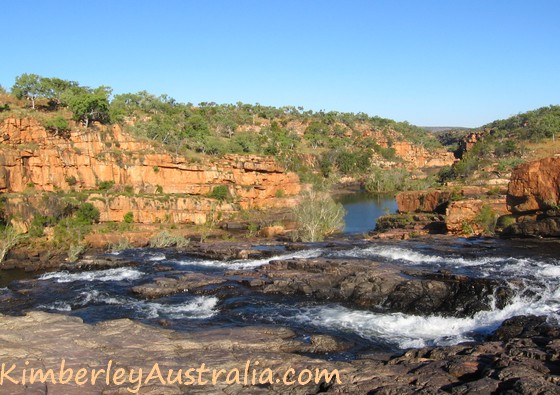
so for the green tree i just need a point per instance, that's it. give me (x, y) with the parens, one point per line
(58, 125)
(88, 106)
(28, 86)
(55, 88)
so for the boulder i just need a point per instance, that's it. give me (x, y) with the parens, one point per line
(535, 186)
(461, 215)
(423, 201)
(548, 227)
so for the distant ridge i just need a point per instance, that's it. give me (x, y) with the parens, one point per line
(443, 129)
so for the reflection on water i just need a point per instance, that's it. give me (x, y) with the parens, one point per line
(363, 209)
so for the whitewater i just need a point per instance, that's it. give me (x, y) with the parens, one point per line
(100, 295)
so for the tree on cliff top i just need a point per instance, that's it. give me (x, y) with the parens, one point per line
(29, 86)
(89, 105)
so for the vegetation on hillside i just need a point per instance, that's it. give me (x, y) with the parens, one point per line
(503, 144)
(314, 144)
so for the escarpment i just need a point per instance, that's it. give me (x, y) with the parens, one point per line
(152, 184)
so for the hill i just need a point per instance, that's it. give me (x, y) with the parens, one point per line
(72, 156)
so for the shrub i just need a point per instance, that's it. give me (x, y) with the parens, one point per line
(129, 217)
(75, 252)
(446, 173)
(387, 180)
(58, 125)
(486, 219)
(87, 214)
(122, 244)
(70, 231)
(164, 239)
(317, 215)
(10, 238)
(71, 180)
(220, 192)
(39, 223)
(504, 221)
(105, 185)
(507, 164)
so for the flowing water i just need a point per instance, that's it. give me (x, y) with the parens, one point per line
(106, 294)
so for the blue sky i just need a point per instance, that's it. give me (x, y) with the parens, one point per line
(439, 63)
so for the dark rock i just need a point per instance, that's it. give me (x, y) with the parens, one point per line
(548, 227)
(524, 326)
(164, 286)
(97, 262)
(371, 285)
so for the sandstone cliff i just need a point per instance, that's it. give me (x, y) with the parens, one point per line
(535, 186)
(33, 159)
(534, 198)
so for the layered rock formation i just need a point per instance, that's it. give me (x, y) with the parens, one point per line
(535, 186)
(534, 199)
(419, 157)
(34, 159)
(460, 215)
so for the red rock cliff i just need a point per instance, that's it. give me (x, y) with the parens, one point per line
(535, 186)
(31, 157)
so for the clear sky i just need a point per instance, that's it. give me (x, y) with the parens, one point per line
(429, 62)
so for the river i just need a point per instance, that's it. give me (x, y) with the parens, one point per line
(363, 209)
(106, 294)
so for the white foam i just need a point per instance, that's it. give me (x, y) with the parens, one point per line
(157, 257)
(252, 263)
(117, 274)
(406, 255)
(199, 307)
(550, 271)
(411, 331)
(58, 306)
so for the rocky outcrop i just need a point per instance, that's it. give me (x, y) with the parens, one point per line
(513, 364)
(419, 157)
(535, 186)
(34, 159)
(546, 227)
(362, 283)
(467, 143)
(534, 199)
(423, 201)
(461, 216)
(405, 226)
(371, 285)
